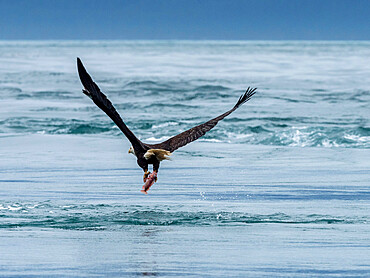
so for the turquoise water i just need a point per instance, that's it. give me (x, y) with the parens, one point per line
(279, 188)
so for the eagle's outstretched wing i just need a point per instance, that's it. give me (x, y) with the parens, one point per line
(198, 131)
(92, 91)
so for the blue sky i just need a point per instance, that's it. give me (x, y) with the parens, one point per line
(185, 19)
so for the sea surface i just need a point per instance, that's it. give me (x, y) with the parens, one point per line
(280, 188)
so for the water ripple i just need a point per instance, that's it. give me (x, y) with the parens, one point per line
(102, 216)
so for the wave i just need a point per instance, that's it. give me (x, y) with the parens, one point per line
(274, 131)
(50, 95)
(211, 88)
(145, 83)
(160, 139)
(102, 216)
(164, 125)
(10, 90)
(56, 126)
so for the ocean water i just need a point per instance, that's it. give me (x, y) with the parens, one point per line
(280, 188)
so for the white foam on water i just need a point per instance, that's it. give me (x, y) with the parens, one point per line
(357, 138)
(165, 125)
(163, 138)
(210, 140)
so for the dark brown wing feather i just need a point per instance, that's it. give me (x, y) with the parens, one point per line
(194, 133)
(92, 91)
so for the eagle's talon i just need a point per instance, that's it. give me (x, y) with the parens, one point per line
(146, 174)
(155, 176)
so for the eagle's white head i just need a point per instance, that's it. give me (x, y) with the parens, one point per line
(131, 150)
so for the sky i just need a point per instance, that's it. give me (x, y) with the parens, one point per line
(185, 20)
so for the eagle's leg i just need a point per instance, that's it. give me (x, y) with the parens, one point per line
(155, 170)
(146, 174)
(156, 176)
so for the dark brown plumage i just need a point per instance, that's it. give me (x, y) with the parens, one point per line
(198, 131)
(151, 153)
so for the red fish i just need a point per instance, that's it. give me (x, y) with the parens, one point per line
(152, 178)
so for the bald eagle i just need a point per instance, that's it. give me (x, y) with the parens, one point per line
(151, 153)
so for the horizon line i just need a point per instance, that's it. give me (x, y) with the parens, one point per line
(194, 40)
